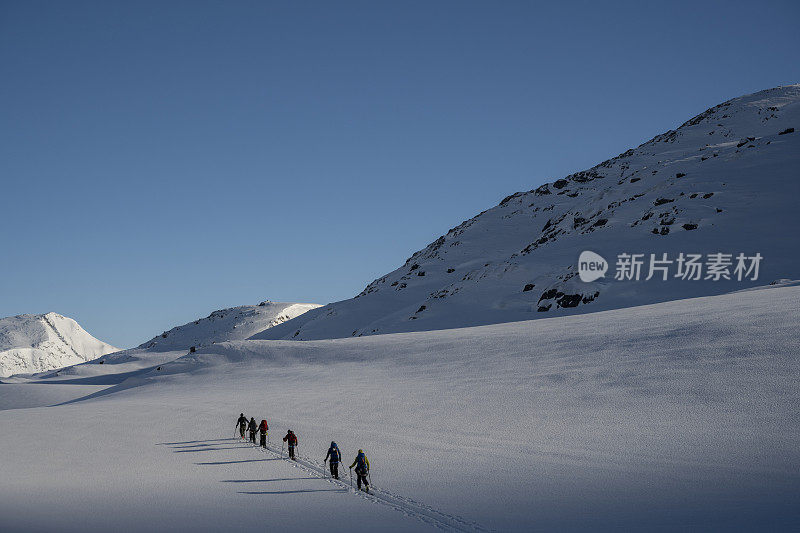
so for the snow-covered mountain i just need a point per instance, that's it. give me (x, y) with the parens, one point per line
(726, 181)
(234, 323)
(36, 343)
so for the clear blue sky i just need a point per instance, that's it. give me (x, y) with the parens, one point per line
(160, 160)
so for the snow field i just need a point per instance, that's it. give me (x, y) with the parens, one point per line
(681, 415)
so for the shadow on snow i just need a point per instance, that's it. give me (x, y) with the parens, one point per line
(242, 461)
(291, 491)
(208, 449)
(194, 441)
(265, 480)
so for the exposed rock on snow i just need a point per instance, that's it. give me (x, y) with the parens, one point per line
(724, 181)
(37, 343)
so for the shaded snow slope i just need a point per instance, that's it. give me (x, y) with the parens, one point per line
(235, 323)
(725, 181)
(673, 416)
(37, 343)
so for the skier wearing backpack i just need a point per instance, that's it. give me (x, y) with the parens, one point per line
(291, 441)
(252, 427)
(336, 457)
(362, 470)
(242, 424)
(263, 428)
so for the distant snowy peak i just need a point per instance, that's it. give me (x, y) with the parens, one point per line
(37, 343)
(724, 181)
(235, 323)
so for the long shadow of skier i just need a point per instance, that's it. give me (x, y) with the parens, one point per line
(186, 446)
(265, 480)
(291, 491)
(194, 441)
(243, 461)
(208, 449)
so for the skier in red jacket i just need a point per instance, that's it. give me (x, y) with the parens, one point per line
(291, 441)
(263, 428)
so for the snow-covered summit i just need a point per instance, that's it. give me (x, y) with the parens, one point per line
(234, 323)
(725, 181)
(36, 343)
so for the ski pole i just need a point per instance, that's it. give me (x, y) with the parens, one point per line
(351, 478)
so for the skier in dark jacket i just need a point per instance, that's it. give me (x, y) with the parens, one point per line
(362, 470)
(253, 428)
(241, 424)
(263, 428)
(336, 457)
(291, 441)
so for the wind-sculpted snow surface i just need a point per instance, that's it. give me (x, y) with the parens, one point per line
(37, 343)
(725, 181)
(673, 416)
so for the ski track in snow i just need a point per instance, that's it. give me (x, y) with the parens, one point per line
(402, 504)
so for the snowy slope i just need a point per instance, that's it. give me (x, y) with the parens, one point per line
(725, 181)
(674, 416)
(36, 343)
(235, 323)
(231, 324)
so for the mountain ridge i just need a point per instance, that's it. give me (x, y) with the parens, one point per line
(233, 323)
(693, 188)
